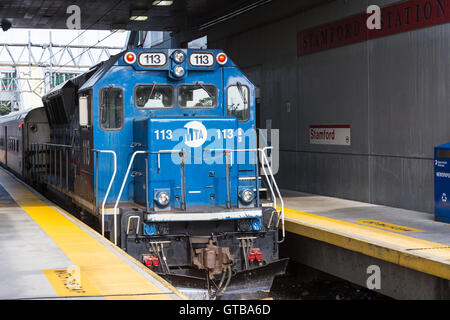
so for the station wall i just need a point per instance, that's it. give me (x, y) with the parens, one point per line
(393, 91)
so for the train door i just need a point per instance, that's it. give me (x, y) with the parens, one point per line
(84, 174)
(239, 100)
(254, 74)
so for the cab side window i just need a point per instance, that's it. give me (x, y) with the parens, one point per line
(111, 108)
(238, 102)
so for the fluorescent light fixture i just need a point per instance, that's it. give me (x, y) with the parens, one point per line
(138, 18)
(162, 3)
(138, 15)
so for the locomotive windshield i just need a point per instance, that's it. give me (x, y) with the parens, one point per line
(197, 96)
(154, 96)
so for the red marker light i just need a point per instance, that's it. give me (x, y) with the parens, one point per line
(155, 261)
(21, 125)
(255, 254)
(258, 255)
(222, 58)
(130, 58)
(147, 261)
(251, 257)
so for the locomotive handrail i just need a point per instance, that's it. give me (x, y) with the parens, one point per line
(162, 152)
(53, 145)
(110, 185)
(49, 147)
(263, 151)
(265, 160)
(121, 190)
(126, 178)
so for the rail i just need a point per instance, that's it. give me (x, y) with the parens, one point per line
(109, 186)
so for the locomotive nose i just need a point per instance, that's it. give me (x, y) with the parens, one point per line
(185, 163)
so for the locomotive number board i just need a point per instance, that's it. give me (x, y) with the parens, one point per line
(201, 60)
(153, 59)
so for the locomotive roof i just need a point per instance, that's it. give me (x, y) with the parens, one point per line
(16, 115)
(74, 82)
(100, 71)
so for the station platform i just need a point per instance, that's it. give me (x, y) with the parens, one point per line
(411, 247)
(48, 254)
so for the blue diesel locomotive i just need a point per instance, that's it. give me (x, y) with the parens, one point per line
(159, 148)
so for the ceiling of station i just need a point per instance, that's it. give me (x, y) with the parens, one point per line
(115, 14)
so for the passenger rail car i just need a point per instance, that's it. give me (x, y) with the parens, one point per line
(17, 131)
(159, 146)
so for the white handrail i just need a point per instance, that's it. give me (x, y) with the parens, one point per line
(121, 190)
(265, 160)
(263, 151)
(109, 187)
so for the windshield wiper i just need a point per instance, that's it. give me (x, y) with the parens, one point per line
(241, 92)
(153, 88)
(203, 87)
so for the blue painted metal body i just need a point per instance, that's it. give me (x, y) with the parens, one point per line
(205, 182)
(442, 182)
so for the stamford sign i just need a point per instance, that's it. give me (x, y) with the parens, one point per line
(397, 18)
(330, 135)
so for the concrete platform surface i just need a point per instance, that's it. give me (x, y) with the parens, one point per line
(48, 254)
(407, 238)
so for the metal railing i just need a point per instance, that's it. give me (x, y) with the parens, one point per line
(269, 167)
(47, 162)
(125, 178)
(121, 190)
(229, 161)
(109, 187)
(267, 170)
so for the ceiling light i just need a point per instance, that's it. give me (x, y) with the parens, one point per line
(138, 15)
(162, 3)
(138, 18)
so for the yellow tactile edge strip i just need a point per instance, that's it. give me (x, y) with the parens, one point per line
(96, 262)
(387, 226)
(399, 249)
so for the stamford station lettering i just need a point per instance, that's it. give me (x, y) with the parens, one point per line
(406, 16)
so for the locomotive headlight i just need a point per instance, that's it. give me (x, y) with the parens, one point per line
(178, 71)
(162, 199)
(178, 56)
(246, 196)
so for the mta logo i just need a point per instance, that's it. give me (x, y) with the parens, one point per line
(196, 134)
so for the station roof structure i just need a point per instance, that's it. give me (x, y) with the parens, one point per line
(163, 15)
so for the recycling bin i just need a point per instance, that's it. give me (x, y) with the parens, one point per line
(442, 183)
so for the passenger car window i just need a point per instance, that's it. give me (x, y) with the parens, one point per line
(154, 96)
(238, 102)
(197, 96)
(111, 108)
